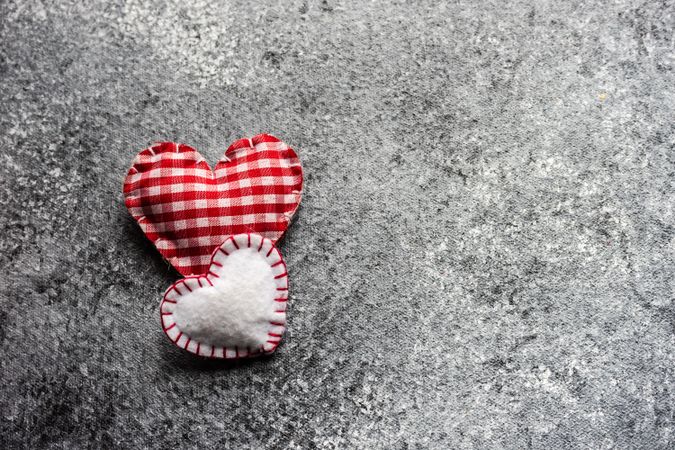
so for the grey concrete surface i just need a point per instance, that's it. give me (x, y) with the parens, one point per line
(484, 257)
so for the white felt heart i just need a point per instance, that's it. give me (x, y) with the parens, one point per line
(237, 309)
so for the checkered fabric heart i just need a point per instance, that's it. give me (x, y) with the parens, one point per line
(187, 210)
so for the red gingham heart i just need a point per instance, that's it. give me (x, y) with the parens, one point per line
(187, 210)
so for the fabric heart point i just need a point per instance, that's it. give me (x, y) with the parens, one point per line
(237, 308)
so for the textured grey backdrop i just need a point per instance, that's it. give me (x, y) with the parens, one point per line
(484, 257)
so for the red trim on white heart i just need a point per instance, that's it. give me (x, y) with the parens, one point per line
(276, 328)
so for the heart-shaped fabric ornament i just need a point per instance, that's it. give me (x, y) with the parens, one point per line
(237, 308)
(187, 210)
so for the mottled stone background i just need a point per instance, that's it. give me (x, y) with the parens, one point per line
(484, 257)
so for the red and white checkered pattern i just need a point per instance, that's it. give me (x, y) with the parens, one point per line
(187, 210)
